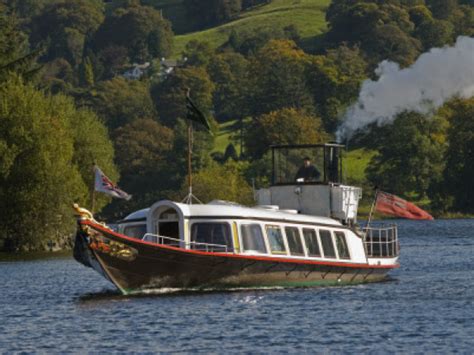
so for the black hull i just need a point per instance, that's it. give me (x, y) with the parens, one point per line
(135, 265)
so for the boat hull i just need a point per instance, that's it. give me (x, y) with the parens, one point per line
(133, 265)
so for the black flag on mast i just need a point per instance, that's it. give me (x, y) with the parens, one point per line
(194, 114)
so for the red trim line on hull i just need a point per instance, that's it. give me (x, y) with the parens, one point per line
(236, 256)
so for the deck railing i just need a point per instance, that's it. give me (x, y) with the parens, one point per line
(381, 241)
(175, 242)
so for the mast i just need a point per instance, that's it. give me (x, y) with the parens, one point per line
(189, 198)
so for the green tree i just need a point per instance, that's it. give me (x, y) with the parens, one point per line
(198, 53)
(390, 42)
(285, 126)
(278, 78)
(463, 20)
(410, 154)
(381, 30)
(66, 26)
(40, 170)
(140, 29)
(229, 73)
(15, 56)
(442, 9)
(456, 189)
(335, 80)
(435, 33)
(222, 182)
(143, 148)
(249, 42)
(114, 59)
(120, 101)
(211, 12)
(87, 72)
(170, 94)
(13, 42)
(91, 146)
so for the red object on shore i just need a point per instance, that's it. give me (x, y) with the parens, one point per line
(396, 206)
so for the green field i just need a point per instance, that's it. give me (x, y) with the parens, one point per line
(307, 15)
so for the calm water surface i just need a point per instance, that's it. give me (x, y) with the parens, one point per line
(61, 306)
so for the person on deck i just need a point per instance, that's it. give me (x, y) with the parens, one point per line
(307, 172)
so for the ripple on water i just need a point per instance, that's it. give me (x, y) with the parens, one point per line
(60, 306)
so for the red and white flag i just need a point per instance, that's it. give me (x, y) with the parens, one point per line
(105, 185)
(396, 206)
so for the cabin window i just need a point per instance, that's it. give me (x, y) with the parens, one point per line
(328, 246)
(211, 233)
(341, 245)
(311, 241)
(275, 240)
(252, 238)
(294, 241)
(137, 231)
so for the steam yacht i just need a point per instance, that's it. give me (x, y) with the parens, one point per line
(301, 232)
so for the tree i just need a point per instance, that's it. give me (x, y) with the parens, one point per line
(197, 53)
(249, 42)
(113, 58)
(212, 12)
(42, 156)
(15, 56)
(442, 9)
(170, 95)
(229, 72)
(381, 30)
(456, 189)
(120, 101)
(410, 154)
(390, 42)
(285, 126)
(335, 80)
(435, 33)
(66, 26)
(463, 20)
(92, 146)
(143, 148)
(222, 182)
(278, 78)
(140, 29)
(13, 42)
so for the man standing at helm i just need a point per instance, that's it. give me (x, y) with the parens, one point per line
(307, 172)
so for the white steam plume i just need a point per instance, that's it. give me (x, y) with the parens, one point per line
(436, 76)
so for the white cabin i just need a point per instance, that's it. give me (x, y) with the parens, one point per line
(262, 231)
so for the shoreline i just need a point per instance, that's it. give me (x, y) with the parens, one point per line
(34, 255)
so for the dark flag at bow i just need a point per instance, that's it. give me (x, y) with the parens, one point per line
(194, 114)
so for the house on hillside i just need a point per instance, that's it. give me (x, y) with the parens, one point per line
(136, 71)
(167, 66)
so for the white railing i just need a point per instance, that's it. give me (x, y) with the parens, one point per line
(381, 241)
(176, 242)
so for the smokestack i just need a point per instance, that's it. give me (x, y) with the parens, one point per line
(436, 76)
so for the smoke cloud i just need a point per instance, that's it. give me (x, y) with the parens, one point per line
(436, 76)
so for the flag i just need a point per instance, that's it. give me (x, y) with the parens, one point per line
(396, 206)
(194, 114)
(105, 185)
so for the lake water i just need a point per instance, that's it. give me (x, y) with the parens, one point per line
(58, 305)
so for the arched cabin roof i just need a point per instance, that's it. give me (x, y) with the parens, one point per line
(137, 215)
(226, 210)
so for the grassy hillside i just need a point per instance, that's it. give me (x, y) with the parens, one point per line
(307, 15)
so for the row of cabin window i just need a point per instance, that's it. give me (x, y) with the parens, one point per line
(253, 239)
